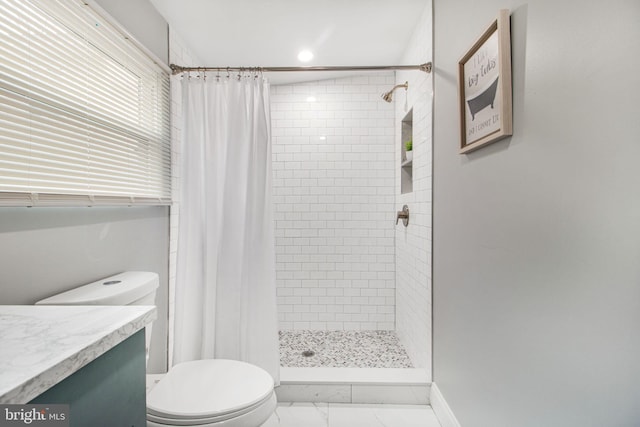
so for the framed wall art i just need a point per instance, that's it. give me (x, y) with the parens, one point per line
(484, 87)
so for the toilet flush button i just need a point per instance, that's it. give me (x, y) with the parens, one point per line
(112, 282)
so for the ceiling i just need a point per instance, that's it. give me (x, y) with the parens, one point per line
(272, 32)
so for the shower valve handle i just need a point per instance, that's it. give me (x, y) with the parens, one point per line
(404, 215)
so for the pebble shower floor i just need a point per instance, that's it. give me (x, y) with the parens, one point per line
(342, 349)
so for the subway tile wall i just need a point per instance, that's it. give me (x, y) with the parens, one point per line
(179, 54)
(334, 183)
(413, 243)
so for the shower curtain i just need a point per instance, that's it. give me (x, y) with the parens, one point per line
(225, 302)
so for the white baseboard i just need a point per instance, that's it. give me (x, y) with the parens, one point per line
(441, 408)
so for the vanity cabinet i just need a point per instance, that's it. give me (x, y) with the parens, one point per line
(110, 391)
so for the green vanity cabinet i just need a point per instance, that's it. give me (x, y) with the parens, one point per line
(109, 391)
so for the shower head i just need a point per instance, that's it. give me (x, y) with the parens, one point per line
(388, 96)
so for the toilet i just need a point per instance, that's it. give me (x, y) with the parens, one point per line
(206, 393)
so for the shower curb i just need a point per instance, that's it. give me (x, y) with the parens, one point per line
(354, 385)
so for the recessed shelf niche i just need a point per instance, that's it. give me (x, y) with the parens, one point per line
(406, 165)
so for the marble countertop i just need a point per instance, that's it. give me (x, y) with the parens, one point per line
(42, 345)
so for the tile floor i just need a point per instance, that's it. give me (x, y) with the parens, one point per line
(342, 349)
(351, 415)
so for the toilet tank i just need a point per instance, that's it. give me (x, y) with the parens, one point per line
(128, 288)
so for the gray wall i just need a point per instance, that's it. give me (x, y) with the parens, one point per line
(537, 237)
(44, 251)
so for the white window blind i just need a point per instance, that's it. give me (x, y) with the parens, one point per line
(84, 113)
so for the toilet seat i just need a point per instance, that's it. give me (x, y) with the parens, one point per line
(208, 391)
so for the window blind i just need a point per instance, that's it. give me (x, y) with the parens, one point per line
(84, 113)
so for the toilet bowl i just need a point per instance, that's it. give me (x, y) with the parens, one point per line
(214, 392)
(205, 393)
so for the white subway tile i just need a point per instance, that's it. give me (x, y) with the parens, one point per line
(332, 192)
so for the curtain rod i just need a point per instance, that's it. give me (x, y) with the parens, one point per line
(426, 67)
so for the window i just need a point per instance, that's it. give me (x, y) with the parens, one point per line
(84, 113)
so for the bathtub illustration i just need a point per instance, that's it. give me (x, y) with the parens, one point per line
(483, 100)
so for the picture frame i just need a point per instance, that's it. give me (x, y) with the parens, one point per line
(484, 87)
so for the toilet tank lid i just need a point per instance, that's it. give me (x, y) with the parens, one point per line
(121, 289)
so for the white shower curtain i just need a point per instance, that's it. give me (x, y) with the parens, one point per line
(225, 302)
